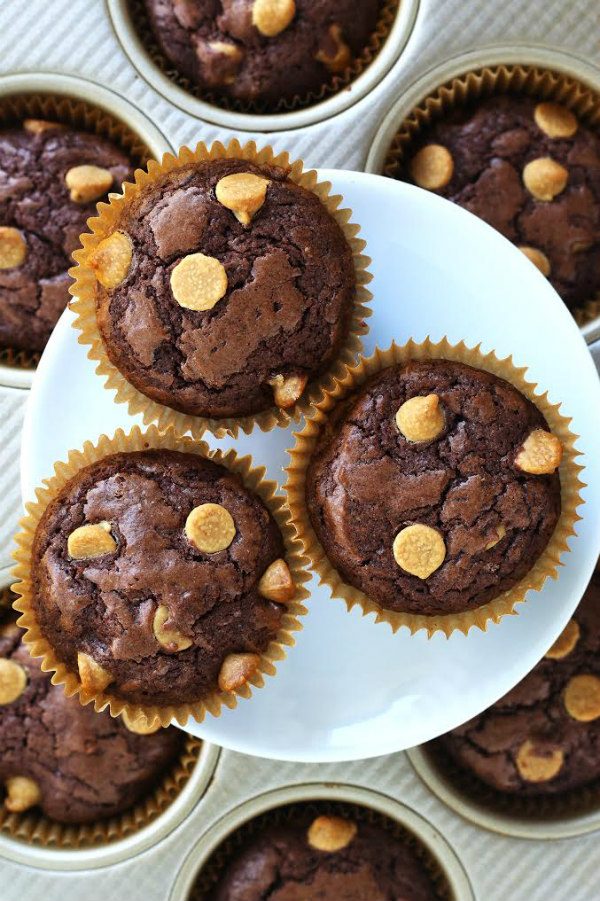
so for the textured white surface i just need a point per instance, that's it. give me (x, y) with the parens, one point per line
(75, 37)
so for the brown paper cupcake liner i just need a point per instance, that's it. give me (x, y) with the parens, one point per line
(76, 114)
(35, 828)
(340, 82)
(481, 83)
(545, 567)
(137, 440)
(84, 292)
(216, 865)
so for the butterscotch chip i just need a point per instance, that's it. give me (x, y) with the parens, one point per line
(37, 126)
(87, 183)
(539, 259)
(13, 248)
(341, 57)
(243, 193)
(331, 833)
(111, 259)
(232, 54)
(92, 675)
(168, 637)
(21, 794)
(92, 540)
(540, 453)
(139, 724)
(210, 527)
(582, 698)
(271, 17)
(419, 550)
(236, 670)
(276, 583)
(555, 120)
(288, 389)
(13, 680)
(198, 282)
(538, 765)
(500, 534)
(421, 418)
(565, 642)
(544, 178)
(432, 167)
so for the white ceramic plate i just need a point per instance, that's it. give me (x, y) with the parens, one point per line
(351, 689)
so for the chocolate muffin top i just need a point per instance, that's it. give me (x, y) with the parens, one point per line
(433, 488)
(226, 286)
(155, 576)
(77, 766)
(329, 857)
(50, 180)
(262, 50)
(532, 171)
(543, 737)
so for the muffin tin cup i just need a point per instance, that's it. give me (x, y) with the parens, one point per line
(35, 841)
(80, 104)
(541, 819)
(547, 564)
(548, 78)
(136, 440)
(207, 858)
(393, 29)
(84, 292)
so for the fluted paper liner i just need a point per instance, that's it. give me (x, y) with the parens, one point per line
(75, 114)
(84, 292)
(35, 828)
(533, 81)
(337, 83)
(137, 440)
(545, 567)
(216, 866)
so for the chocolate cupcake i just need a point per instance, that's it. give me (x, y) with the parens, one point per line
(51, 178)
(71, 764)
(262, 51)
(531, 169)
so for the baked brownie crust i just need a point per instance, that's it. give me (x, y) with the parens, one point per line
(367, 482)
(290, 288)
(35, 200)
(106, 605)
(215, 44)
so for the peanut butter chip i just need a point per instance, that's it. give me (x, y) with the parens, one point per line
(341, 58)
(92, 675)
(555, 120)
(168, 637)
(419, 550)
(139, 724)
(288, 389)
(21, 794)
(432, 167)
(500, 534)
(330, 833)
(421, 418)
(13, 248)
(210, 527)
(198, 282)
(276, 583)
(271, 17)
(13, 680)
(537, 765)
(540, 453)
(565, 642)
(544, 178)
(91, 541)
(111, 259)
(87, 183)
(236, 670)
(243, 193)
(37, 126)
(539, 259)
(582, 698)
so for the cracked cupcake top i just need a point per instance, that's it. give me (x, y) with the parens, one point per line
(262, 50)
(224, 289)
(159, 577)
(543, 737)
(51, 178)
(434, 488)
